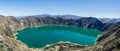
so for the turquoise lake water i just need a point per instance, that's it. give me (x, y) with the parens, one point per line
(38, 37)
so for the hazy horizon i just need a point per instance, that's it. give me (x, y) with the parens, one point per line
(84, 8)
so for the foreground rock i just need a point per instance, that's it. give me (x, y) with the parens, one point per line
(109, 41)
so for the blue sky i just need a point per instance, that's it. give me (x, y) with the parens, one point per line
(95, 8)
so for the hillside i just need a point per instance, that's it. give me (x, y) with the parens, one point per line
(109, 41)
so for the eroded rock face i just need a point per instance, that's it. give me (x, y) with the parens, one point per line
(109, 41)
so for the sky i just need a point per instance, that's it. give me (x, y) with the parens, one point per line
(86, 8)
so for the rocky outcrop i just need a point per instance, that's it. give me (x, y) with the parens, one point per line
(65, 46)
(9, 25)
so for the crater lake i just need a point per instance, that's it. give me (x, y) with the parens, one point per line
(38, 37)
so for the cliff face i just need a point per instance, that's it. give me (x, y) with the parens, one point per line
(89, 22)
(9, 26)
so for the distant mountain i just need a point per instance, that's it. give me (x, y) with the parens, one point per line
(67, 16)
(109, 20)
(104, 20)
(54, 16)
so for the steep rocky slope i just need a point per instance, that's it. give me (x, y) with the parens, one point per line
(110, 40)
(9, 25)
